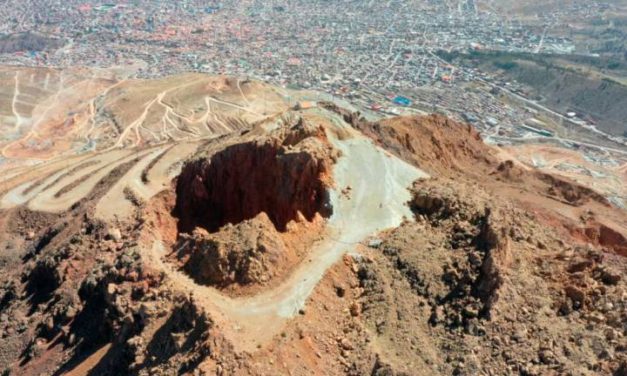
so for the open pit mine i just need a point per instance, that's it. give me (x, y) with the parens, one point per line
(198, 225)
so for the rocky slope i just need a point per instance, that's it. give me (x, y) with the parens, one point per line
(494, 269)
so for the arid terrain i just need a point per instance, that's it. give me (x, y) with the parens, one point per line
(220, 226)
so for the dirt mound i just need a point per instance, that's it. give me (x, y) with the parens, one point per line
(445, 147)
(281, 176)
(248, 252)
(180, 343)
(434, 143)
(509, 171)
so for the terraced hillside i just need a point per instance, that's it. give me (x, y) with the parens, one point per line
(46, 112)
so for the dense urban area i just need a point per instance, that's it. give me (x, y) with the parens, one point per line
(346, 48)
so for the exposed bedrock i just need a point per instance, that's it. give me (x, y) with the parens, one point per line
(246, 179)
(233, 207)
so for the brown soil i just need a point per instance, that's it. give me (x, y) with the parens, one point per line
(491, 310)
(436, 143)
(570, 192)
(601, 235)
(238, 257)
(450, 149)
(501, 271)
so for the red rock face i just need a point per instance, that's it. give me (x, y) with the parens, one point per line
(246, 179)
(607, 237)
(569, 191)
(613, 239)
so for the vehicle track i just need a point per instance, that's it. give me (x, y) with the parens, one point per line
(73, 189)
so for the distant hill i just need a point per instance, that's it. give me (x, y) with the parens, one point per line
(589, 86)
(28, 42)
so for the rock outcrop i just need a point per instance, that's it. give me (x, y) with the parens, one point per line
(281, 175)
(248, 252)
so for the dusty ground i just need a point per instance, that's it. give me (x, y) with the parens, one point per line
(311, 242)
(607, 178)
(46, 113)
